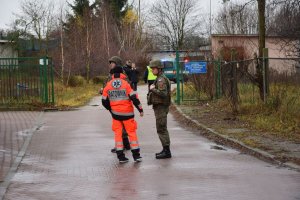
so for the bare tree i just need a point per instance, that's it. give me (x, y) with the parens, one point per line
(37, 19)
(286, 24)
(261, 8)
(89, 38)
(172, 19)
(60, 26)
(234, 19)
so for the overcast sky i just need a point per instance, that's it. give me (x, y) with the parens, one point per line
(8, 7)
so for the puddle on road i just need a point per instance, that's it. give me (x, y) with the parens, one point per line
(23, 133)
(94, 105)
(215, 147)
(176, 129)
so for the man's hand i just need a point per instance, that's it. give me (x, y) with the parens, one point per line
(141, 114)
(152, 86)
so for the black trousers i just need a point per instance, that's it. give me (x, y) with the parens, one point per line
(125, 139)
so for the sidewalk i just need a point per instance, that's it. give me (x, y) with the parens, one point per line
(14, 129)
(69, 158)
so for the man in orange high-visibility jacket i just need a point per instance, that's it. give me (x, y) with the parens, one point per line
(118, 97)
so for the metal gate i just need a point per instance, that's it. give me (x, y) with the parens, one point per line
(26, 81)
(199, 80)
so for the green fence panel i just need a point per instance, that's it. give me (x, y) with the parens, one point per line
(26, 81)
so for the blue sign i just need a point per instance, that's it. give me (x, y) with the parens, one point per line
(195, 67)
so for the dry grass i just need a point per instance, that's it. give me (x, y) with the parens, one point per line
(74, 96)
(280, 114)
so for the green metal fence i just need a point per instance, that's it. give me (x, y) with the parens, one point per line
(26, 81)
(199, 86)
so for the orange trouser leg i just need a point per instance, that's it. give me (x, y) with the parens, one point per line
(117, 127)
(131, 126)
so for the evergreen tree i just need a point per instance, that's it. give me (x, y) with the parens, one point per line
(118, 8)
(80, 6)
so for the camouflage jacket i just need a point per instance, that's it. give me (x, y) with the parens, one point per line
(161, 94)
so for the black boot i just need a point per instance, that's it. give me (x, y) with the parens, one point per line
(121, 156)
(136, 155)
(159, 152)
(166, 153)
(113, 150)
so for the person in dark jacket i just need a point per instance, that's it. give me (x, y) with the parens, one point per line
(128, 69)
(134, 77)
(132, 74)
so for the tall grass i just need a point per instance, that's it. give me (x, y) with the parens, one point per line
(280, 113)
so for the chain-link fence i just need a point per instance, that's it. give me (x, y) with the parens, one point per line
(269, 82)
(272, 81)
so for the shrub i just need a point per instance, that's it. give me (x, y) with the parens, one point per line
(98, 79)
(76, 81)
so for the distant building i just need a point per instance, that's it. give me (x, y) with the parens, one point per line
(7, 50)
(248, 46)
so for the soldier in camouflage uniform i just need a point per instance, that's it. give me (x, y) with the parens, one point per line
(160, 97)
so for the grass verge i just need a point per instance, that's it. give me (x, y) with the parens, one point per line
(66, 97)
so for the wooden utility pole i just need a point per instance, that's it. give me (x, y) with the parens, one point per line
(260, 71)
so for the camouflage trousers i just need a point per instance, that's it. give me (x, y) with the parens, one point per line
(161, 113)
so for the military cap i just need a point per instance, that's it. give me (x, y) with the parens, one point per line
(116, 59)
(156, 63)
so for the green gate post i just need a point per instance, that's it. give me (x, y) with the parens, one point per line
(52, 83)
(177, 79)
(45, 65)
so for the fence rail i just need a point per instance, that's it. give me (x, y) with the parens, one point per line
(240, 82)
(26, 81)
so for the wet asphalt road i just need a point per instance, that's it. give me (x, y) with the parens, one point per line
(70, 158)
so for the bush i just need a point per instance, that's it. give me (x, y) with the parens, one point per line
(76, 81)
(98, 79)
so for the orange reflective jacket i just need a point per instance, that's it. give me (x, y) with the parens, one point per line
(118, 97)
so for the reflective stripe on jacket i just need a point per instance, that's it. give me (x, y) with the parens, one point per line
(118, 97)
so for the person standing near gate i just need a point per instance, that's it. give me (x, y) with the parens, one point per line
(119, 98)
(160, 98)
(134, 77)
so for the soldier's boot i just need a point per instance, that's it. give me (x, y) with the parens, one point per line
(162, 151)
(126, 143)
(136, 155)
(159, 152)
(121, 156)
(166, 153)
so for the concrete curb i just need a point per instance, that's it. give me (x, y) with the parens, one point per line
(13, 169)
(225, 140)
